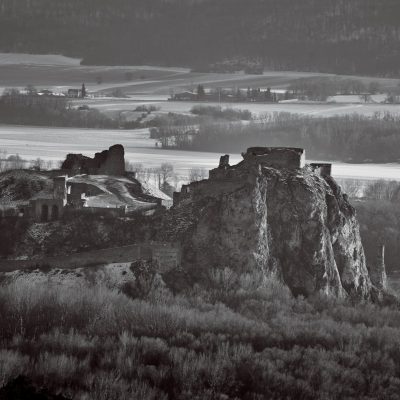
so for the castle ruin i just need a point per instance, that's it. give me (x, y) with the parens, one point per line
(108, 162)
(290, 158)
(276, 215)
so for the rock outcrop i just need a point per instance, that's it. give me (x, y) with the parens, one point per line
(377, 269)
(276, 219)
(108, 162)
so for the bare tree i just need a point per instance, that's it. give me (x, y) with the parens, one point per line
(31, 90)
(49, 165)
(352, 187)
(38, 164)
(15, 162)
(166, 173)
(382, 190)
(3, 160)
(197, 174)
(137, 168)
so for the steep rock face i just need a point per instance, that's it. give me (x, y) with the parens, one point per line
(287, 222)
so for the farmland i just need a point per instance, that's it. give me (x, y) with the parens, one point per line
(113, 106)
(153, 85)
(55, 143)
(54, 71)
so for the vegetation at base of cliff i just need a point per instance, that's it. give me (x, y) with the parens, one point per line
(351, 138)
(214, 344)
(358, 36)
(380, 223)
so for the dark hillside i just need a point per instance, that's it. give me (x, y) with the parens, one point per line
(342, 36)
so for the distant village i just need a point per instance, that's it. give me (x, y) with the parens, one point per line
(232, 95)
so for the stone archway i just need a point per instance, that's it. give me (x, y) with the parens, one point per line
(44, 216)
(54, 212)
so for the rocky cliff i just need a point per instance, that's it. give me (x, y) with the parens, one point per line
(286, 221)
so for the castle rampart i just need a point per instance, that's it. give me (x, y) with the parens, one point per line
(227, 175)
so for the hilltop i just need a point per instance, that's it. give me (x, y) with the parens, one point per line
(358, 36)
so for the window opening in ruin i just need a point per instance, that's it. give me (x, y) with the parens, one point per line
(45, 213)
(54, 212)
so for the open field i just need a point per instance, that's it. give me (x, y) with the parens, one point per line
(58, 72)
(152, 85)
(55, 143)
(146, 84)
(37, 59)
(114, 106)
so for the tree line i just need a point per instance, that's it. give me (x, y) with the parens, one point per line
(339, 36)
(33, 109)
(378, 212)
(350, 138)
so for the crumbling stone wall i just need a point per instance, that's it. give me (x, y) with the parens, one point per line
(167, 256)
(108, 162)
(276, 157)
(45, 210)
(322, 169)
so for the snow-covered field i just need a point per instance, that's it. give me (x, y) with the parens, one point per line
(37, 59)
(55, 143)
(147, 84)
(152, 85)
(258, 109)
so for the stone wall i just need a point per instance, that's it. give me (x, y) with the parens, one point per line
(322, 169)
(167, 256)
(44, 210)
(108, 162)
(276, 157)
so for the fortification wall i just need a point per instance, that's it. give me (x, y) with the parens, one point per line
(224, 182)
(276, 157)
(166, 255)
(322, 169)
(108, 162)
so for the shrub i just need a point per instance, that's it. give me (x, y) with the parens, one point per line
(262, 343)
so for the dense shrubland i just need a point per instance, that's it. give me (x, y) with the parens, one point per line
(214, 344)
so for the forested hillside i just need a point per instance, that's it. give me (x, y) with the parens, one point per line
(343, 36)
